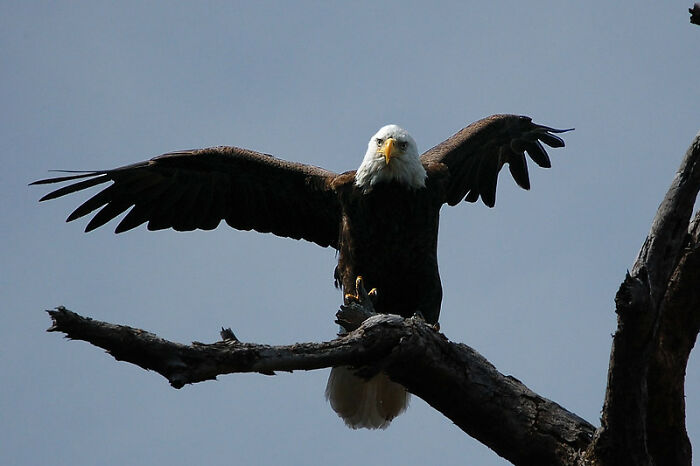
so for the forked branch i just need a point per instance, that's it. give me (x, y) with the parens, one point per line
(658, 311)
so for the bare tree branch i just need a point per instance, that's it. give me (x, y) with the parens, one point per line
(186, 364)
(660, 253)
(695, 14)
(647, 318)
(498, 410)
(679, 323)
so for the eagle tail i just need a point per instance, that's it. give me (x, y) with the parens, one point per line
(369, 404)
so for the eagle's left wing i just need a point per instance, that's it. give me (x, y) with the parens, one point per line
(475, 155)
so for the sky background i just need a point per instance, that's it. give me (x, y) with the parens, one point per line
(529, 284)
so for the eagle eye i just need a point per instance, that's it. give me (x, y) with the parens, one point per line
(380, 141)
(402, 145)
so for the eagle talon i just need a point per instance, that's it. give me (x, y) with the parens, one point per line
(357, 307)
(361, 296)
(373, 294)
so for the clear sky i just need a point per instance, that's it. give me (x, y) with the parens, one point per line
(530, 284)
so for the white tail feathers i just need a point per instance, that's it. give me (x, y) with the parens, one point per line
(371, 404)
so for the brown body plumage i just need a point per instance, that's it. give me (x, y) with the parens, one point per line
(398, 258)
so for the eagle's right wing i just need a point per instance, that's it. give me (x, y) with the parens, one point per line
(197, 189)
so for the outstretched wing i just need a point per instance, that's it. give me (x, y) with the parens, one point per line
(197, 189)
(475, 155)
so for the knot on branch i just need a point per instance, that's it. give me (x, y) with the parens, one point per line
(633, 295)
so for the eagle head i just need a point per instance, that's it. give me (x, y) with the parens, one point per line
(392, 155)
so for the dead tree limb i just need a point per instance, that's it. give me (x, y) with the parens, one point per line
(498, 410)
(643, 421)
(695, 14)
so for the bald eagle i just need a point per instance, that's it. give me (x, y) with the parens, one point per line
(382, 219)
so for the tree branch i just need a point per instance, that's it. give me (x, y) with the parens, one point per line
(497, 410)
(187, 364)
(661, 250)
(656, 306)
(679, 323)
(695, 14)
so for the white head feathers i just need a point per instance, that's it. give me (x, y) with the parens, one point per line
(391, 154)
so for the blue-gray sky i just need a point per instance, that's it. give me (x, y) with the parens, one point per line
(529, 284)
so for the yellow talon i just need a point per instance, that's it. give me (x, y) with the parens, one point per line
(360, 294)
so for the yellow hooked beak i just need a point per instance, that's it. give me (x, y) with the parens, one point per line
(388, 149)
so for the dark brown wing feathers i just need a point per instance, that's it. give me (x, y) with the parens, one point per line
(475, 155)
(197, 189)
